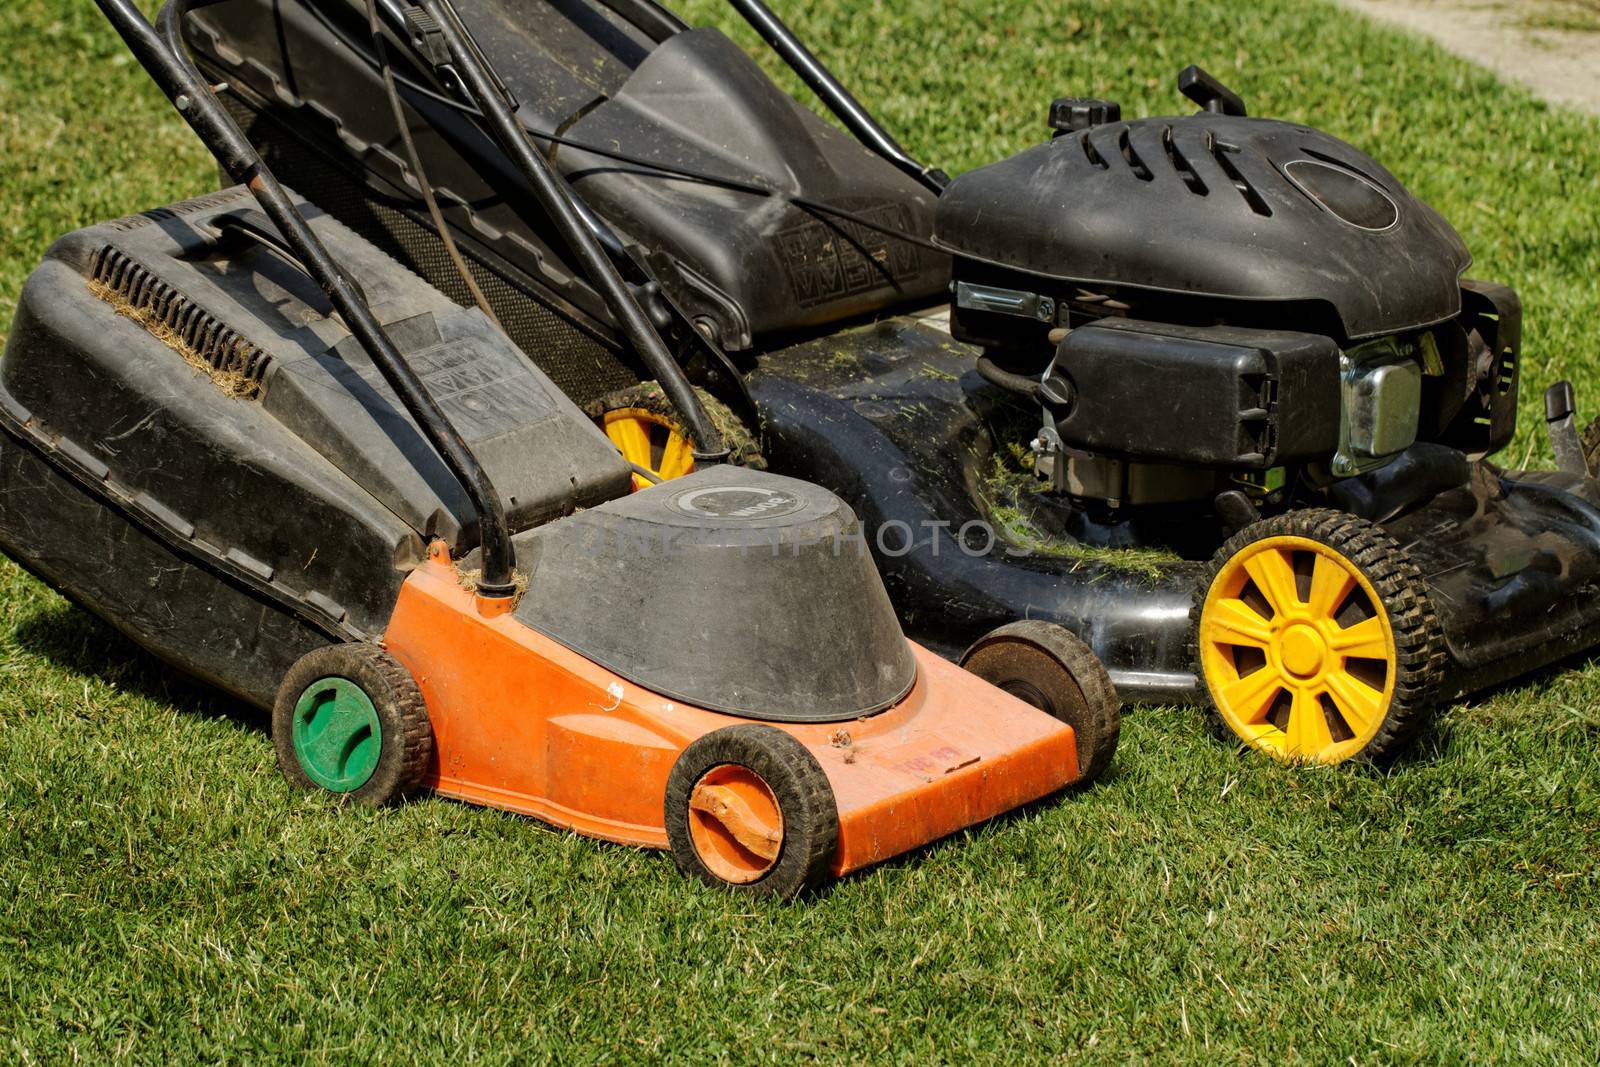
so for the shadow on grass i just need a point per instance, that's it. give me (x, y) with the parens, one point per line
(73, 640)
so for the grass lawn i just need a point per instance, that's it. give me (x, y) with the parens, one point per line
(163, 895)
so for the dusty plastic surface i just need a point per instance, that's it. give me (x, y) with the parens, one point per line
(188, 383)
(1214, 206)
(748, 265)
(731, 589)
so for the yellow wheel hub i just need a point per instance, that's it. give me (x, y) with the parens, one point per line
(1297, 650)
(651, 441)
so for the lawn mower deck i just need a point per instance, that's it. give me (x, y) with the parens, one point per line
(596, 753)
(915, 438)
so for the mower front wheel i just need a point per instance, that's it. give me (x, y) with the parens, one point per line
(1050, 667)
(350, 722)
(1316, 640)
(750, 810)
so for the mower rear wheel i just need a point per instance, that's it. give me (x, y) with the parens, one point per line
(750, 810)
(649, 432)
(349, 721)
(1316, 640)
(1050, 667)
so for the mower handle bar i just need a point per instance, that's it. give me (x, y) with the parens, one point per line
(845, 107)
(576, 227)
(589, 239)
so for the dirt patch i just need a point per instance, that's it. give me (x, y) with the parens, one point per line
(1550, 46)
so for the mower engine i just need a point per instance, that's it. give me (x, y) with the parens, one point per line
(1214, 302)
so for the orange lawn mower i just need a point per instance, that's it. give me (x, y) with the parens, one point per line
(282, 462)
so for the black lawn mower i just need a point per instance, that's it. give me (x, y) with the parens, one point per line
(1210, 390)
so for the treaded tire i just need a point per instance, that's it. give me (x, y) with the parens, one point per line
(1420, 651)
(1050, 667)
(406, 747)
(802, 792)
(743, 448)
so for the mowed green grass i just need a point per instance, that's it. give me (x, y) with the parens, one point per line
(164, 896)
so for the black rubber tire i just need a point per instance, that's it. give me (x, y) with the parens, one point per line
(407, 746)
(1050, 667)
(744, 450)
(1590, 440)
(797, 781)
(1419, 641)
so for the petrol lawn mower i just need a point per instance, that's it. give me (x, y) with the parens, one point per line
(1209, 390)
(272, 455)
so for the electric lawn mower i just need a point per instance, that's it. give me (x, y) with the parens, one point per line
(1209, 390)
(279, 459)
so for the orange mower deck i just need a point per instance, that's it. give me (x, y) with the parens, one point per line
(524, 724)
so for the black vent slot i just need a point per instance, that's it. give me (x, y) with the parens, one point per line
(1135, 164)
(1220, 152)
(1091, 153)
(236, 365)
(1181, 165)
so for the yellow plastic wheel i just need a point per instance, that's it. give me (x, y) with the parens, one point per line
(649, 440)
(649, 433)
(1315, 639)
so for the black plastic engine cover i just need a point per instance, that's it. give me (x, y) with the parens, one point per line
(1214, 206)
(1216, 395)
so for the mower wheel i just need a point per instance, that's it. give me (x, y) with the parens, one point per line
(350, 721)
(1316, 639)
(750, 810)
(1050, 667)
(649, 432)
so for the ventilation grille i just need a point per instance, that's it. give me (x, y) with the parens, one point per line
(1252, 196)
(1115, 142)
(236, 365)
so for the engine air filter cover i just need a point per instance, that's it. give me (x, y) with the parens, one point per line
(1214, 206)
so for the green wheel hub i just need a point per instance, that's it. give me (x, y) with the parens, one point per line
(337, 737)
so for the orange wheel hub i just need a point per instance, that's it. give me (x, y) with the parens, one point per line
(735, 824)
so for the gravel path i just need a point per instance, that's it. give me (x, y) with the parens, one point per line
(1563, 66)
